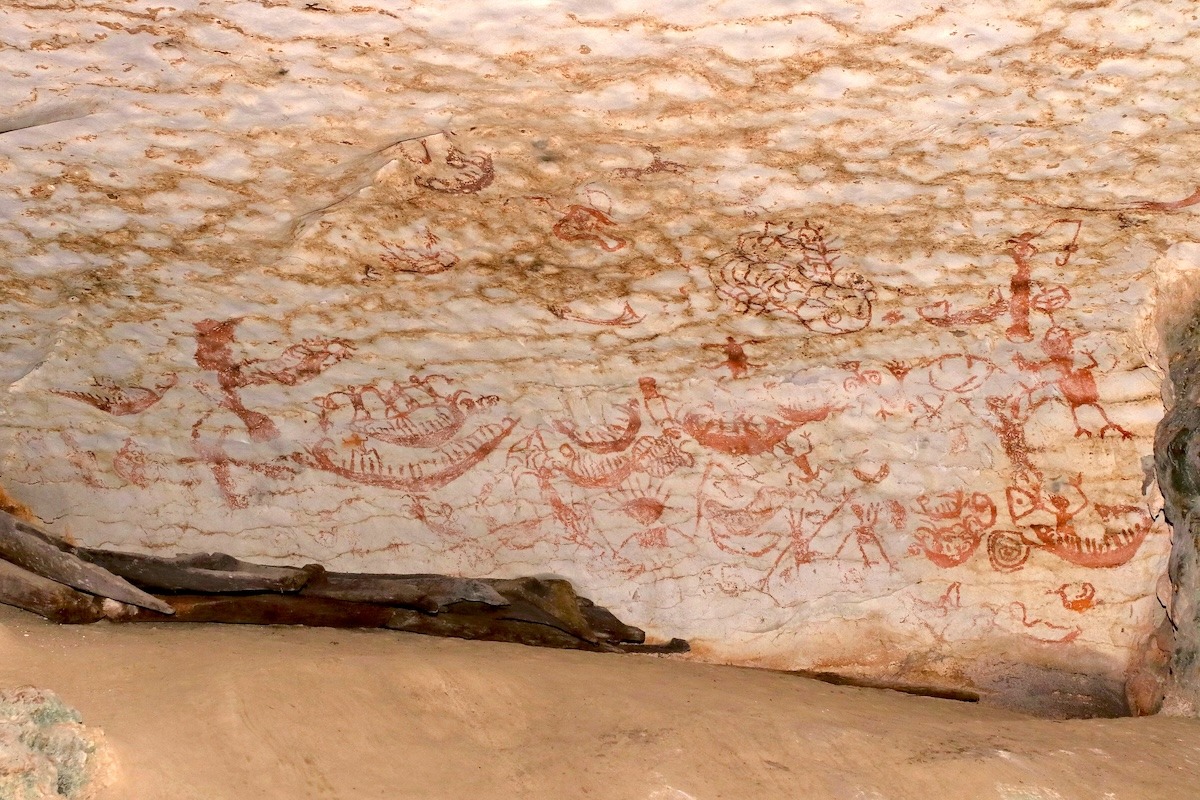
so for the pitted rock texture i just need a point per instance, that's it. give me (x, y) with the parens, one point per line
(806, 333)
(44, 750)
(1177, 455)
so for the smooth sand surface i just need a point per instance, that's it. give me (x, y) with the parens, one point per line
(250, 713)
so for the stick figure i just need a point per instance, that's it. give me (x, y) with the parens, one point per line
(736, 360)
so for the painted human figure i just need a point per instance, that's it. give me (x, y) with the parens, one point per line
(865, 535)
(295, 365)
(736, 360)
(1022, 250)
(1066, 508)
(1076, 384)
(656, 403)
(1021, 299)
(1007, 416)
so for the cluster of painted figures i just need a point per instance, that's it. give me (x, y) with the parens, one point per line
(745, 475)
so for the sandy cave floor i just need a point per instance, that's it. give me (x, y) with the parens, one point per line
(251, 713)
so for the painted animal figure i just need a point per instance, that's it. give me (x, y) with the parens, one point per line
(1076, 384)
(1124, 527)
(109, 396)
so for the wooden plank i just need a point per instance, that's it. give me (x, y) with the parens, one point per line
(35, 550)
(427, 593)
(214, 587)
(607, 626)
(57, 603)
(555, 597)
(203, 573)
(493, 625)
(265, 609)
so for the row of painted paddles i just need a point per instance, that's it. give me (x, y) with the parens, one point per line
(65, 583)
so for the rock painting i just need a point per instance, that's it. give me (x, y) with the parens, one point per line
(1077, 597)
(792, 273)
(1024, 294)
(406, 436)
(589, 224)
(603, 471)
(300, 362)
(645, 478)
(718, 339)
(626, 318)
(1111, 539)
(736, 360)
(954, 523)
(113, 398)
(1075, 385)
(657, 164)
(451, 171)
(426, 259)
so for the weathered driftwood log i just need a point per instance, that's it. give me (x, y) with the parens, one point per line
(519, 622)
(217, 573)
(540, 611)
(55, 602)
(427, 593)
(264, 609)
(504, 624)
(36, 551)
(607, 626)
(202, 573)
(38, 569)
(513, 624)
(547, 601)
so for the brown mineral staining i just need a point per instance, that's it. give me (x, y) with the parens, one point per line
(11, 505)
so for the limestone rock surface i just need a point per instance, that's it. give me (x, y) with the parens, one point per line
(809, 332)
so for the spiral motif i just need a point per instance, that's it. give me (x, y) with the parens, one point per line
(1007, 551)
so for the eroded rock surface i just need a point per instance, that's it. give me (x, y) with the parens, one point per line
(805, 333)
(45, 751)
(1172, 671)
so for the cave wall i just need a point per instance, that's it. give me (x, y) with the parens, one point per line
(1167, 675)
(820, 334)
